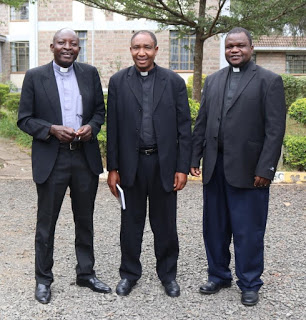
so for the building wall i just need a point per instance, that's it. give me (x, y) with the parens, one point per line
(55, 10)
(108, 45)
(5, 46)
(274, 61)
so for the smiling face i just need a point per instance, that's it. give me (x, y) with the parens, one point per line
(65, 47)
(238, 50)
(143, 51)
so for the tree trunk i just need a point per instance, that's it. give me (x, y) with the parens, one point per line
(197, 71)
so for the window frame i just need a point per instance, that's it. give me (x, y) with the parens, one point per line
(83, 51)
(181, 51)
(15, 49)
(294, 69)
(16, 13)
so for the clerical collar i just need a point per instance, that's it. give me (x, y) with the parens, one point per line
(146, 73)
(236, 69)
(61, 69)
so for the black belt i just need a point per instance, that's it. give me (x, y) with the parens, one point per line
(148, 151)
(74, 145)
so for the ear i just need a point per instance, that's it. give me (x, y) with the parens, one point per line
(156, 50)
(52, 47)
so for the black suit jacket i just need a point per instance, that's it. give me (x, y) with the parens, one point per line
(40, 108)
(171, 121)
(254, 126)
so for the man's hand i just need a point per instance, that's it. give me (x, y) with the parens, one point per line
(261, 182)
(180, 180)
(112, 180)
(62, 133)
(84, 133)
(196, 172)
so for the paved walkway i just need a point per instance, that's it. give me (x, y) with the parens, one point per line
(15, 162)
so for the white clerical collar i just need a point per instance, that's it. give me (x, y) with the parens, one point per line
(144, 74)
(236, 69)
(64, 69)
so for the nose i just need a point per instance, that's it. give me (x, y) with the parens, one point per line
(67, 45)
(234, 49)
(141, 52)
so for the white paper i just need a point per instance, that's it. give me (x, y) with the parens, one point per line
(121, 198)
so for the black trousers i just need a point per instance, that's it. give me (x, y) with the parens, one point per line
(162, 216)
(70, 170)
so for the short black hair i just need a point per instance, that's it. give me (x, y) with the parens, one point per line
(151, 34)
(239, 30)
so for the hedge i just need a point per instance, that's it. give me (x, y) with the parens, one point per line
(297, 111)
(4, 90)
(295, 88)
(189, 84)
(11, 101)
(295, 152)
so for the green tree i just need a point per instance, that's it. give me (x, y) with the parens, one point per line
(13, 3)
(261, 17)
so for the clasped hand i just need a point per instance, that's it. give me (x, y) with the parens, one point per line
(66, 134)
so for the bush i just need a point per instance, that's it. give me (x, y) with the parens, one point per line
(189, 84)
(297, 111)
(194, 109)
(9, 129)
(11, 101)
(102, 140)
(295, 152)
(4, 90)
(295, 88)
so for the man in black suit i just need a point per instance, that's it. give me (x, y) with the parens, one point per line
(62, 107)
(148, 154)
(239, 133)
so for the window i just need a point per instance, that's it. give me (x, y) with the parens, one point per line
(19, 56)
(181, 51)
(295, 63)
(21, 13)
(82, 57)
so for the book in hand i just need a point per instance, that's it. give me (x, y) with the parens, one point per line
(121, 198)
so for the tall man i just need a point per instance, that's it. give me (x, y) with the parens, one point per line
(239, 133)
(62, 107)
(148, 154)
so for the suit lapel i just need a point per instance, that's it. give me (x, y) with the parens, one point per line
(83, 86)
(222, 83)
(134, 84)
(244, 81)
(50, 86)
(159, 86)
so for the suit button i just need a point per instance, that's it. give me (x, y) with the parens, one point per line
(137, 149)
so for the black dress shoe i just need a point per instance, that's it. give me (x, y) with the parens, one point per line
(249, 298)
(211, 287)
(124, 287)
(42, 293)
(172, 289)
(94, 284)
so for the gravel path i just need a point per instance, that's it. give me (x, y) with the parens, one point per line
(282, 296)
